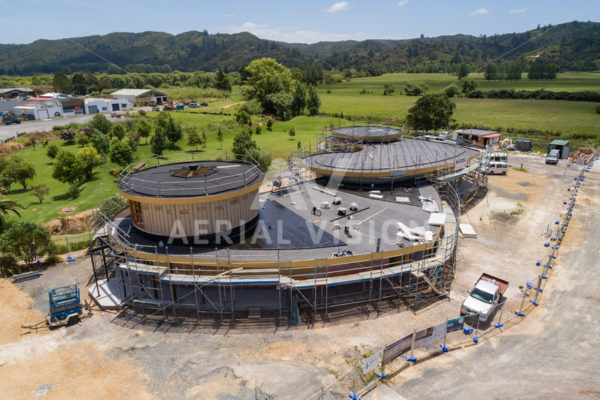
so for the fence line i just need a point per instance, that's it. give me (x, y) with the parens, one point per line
(466, 331)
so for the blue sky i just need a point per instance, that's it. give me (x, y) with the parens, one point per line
(305, 21)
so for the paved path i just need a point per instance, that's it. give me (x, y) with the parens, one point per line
(554, 353)
(11, 131)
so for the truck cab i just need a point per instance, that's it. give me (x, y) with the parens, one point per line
(552, 156)
(484, 297)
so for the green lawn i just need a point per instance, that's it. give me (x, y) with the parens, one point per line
(278, 142)
(568, 81)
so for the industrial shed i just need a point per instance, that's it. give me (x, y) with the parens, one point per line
(142, 97)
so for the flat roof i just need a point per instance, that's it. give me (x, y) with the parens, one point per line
(17, 89)
(397, 158)
(559, 142)
(287, 227)
(474, 132)
(366, 132)
(159, 181)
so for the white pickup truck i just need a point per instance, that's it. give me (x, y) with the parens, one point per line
(484, 297)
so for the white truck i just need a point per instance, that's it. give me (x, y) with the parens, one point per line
(484, 297)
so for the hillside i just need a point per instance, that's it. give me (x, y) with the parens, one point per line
(572, 46)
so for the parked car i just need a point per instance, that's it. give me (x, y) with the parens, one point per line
(193, 104)
(484, 297)
(10, 118)
(552, 156)
(204, 104)
(168, 107)
(155, 109)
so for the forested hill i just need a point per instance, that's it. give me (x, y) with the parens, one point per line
(572, 46)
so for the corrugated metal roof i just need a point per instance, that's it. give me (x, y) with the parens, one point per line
(138, 92)
(474, 132)
(21, 89)
(559, 142)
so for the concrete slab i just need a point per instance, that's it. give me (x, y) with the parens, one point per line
(106, 294)
(383, 392)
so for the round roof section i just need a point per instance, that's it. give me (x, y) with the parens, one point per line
(406, 157)
(191, 179)
(368, 133)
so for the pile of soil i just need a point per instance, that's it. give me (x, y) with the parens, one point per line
(70, 224)
(17, 310)
(12, 145)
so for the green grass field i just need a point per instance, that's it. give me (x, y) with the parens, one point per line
(277, 142)
(567, 117)
(568, 81)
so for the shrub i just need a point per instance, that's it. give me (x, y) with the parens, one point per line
(292, 131)
(53, 259)
(258, 130)
(142, 113)
(598, 109)
(8, 265)
(116, 172)
(269, 124)
(68, 135)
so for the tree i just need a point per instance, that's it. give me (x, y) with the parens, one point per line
(67, 168)
(193, 137)
(158, 142)
(79, 84)
(68, 135)
(292, 132)
(22, 171)
(6, 207)
(388, 90)
(468, 85)
(281, 103)
(82, 140)
(89, 159)
(118, 131)
(144, 129)
(463, 71)
(120, 152)
(313, 102)
(299, 99)
(243, 118)
(269, 124)
(266, 77)
(15, 169)
(220, 138)
(452, 91)
(61, 83)
(258, 130)
(514, 71)
(203, 139)
(243, 144)
(100, 123)
(100, 142)
(27, 241)
(169, 129)
(222, 81)
(40, 191)
(432, 111)
(52, 150)
(491, 72)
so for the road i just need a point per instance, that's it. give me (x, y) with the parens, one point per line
(11, 131)
(553, 354)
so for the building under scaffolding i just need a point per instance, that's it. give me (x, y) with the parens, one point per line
(381, 236)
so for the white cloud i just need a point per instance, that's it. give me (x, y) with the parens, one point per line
(293, 35)
(339, 6)
(517, 11)
(480, 11)
(402, 3)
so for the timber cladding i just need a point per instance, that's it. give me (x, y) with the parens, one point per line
(212, 215)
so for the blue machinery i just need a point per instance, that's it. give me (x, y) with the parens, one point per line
(65, 305)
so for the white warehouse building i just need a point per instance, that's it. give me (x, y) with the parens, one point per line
(142, 97)
(97, 105)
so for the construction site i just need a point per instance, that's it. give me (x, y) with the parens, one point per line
(368, 250)
(366, 223)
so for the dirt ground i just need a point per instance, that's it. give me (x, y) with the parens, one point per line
(112, 359)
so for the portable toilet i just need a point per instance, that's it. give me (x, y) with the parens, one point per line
(562, 146)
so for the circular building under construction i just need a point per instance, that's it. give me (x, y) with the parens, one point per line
(360, 224)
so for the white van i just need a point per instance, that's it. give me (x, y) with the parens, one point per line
(489, 157)
(495, 167)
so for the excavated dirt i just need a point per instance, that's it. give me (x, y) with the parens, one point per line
(70, 224)
(17, 310)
